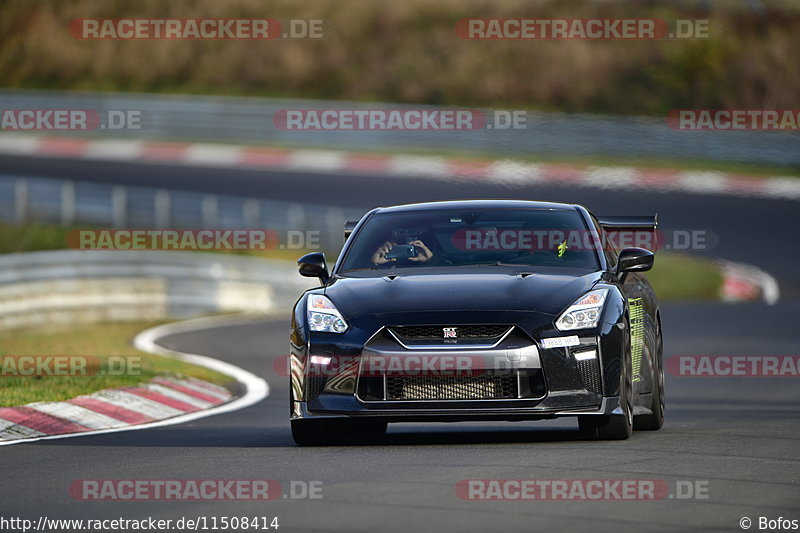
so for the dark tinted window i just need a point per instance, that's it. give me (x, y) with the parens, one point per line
(531, 237)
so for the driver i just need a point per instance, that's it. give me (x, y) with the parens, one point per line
(423, 253)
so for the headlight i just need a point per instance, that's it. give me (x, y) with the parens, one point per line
(323, 315)
(584, 313)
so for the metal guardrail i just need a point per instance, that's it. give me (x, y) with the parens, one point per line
(250, 121)
(69, 286)
(74, 203)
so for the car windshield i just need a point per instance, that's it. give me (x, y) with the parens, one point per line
(472, 237)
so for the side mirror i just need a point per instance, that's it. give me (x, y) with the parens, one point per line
(635, 260)
(313, 266)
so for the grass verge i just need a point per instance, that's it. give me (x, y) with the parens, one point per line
(684, 277)
(40, 237)
(108, 339)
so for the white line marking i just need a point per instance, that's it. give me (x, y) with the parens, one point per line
(702, 182)
(256, 389)
(783, 188)
(508, 171)
(19, 144)
(324, 160)
(610, 177)
(213, 154)
(409, 165)
(114, 149)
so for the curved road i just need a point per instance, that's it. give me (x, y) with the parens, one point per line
(736, 437)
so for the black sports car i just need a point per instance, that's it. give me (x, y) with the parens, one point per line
(479, 310)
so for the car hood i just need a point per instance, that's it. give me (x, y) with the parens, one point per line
(447, 294)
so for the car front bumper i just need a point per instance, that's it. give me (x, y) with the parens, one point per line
(550, 383)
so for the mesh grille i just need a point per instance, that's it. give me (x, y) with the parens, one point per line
(489, 331)
(314, 385)
(590, 373)
(452, 387)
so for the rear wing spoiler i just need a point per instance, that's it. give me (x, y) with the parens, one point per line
(632, 231)
(617, 223)
(349, 226)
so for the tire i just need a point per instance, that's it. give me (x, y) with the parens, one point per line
(336, 431)
(613, 427)
(655, 420)
(309, 432)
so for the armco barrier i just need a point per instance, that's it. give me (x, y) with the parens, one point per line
(71, 286)
(26, 199)
(251, 121)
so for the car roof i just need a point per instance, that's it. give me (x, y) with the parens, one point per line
(466, 204)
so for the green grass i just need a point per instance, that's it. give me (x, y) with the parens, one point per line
(684, 277)
(108, 339)
(39, 237)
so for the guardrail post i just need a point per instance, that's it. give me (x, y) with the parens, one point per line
(119, 201)
(162, 207)
(296, 217)
(251, 211)
(334, 229)
(67, 203)
(210, 210)
(20, 201)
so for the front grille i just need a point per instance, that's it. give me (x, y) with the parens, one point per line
(486, 331)
(590, 373)
(484, 387)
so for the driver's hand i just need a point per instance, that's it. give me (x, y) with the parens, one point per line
(379, 257)
(423, 252)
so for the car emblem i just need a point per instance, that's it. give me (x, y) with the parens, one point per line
(449, 333)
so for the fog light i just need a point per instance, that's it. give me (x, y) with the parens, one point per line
(320, 360)
(585, 356)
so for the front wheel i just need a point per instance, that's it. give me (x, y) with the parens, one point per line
(616, 426)
(335, 431)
